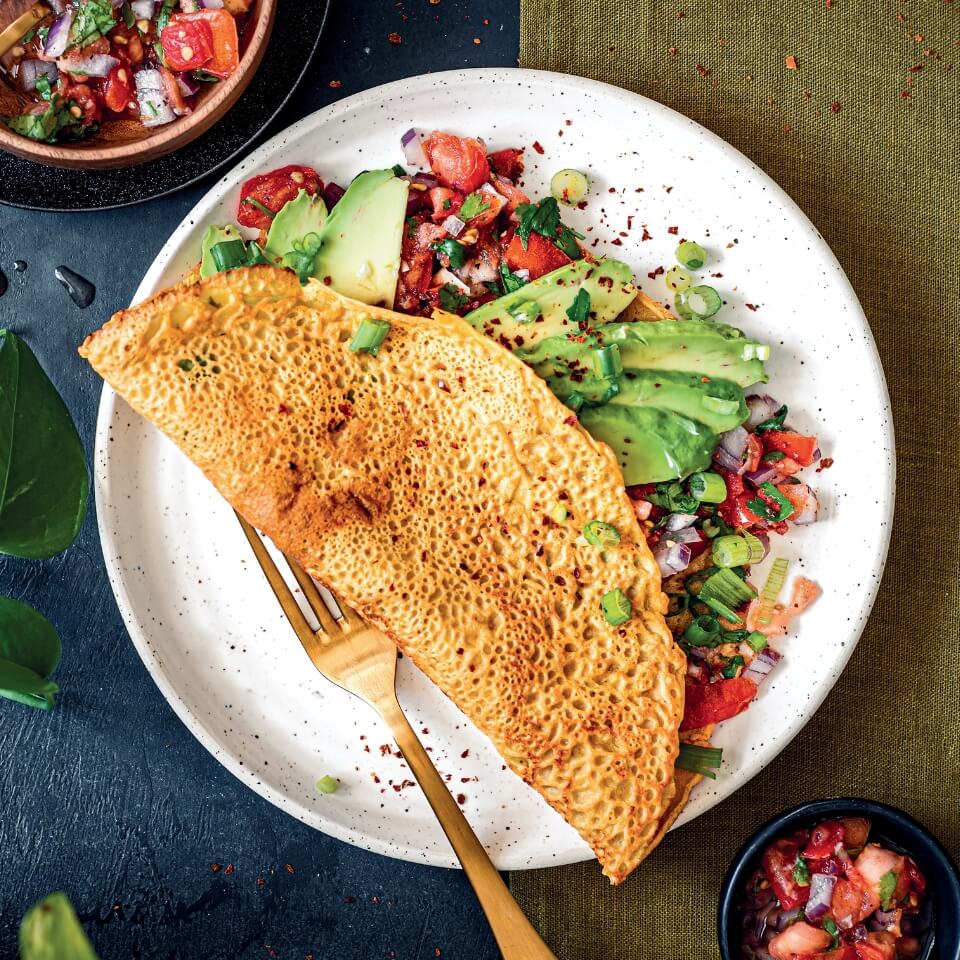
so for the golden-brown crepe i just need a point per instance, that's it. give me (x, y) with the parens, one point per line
(422, 485)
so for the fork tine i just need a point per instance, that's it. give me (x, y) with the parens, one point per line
(312, 595)
(279, 586)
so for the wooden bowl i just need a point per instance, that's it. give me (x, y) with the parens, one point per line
(124, 143)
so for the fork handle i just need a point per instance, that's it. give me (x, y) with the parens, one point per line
(513, 932)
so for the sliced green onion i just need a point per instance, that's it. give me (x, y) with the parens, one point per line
(185, 365)
(691, 255)
(703, 632)
(526, 311)
(708, 487)
(369, 336)
(758, 506)
(327, 784)
(569, 186)
(256, 204)
(680, 305)
(702, 760)
(727, 587)
(775, 422)
(771, 589)
(228, 254)
(600, 534)
(801, 872)
(714, 527)
(559, 512)
(677, 279)
(607, 362)
(616, 606)
(757, 641)
(721, 609)
(774, 456)
(718, 405)
(398, 171)
(737, 549)
(732, 666)
(701, 301)
(311, 244)
(755, 351)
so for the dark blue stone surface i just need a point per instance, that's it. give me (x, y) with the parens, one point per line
(108, 797)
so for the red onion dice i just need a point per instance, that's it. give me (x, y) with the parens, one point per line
(726, 460)
(332, 194)
(762, 407)
(678, 521)
(685, 535)
(821, 895)
(767, 473)
(672, 558)
(761, 665)
(97, 65)
(152, 99)
(453, 225)
(734, 442)
(143, 9)
(31, 70)
(413, 153)
(58, 38)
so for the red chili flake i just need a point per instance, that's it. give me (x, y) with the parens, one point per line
(918, 37)
(442, 385)
(702, 70)
(229, 870)
(900, 18)
(461, 799)
(486, 21)
(904, 94)
(289, 868)
(646, 234)
(834, 107)
(787, 128)
(570, 421)
(270, 951)
(828, 3)
(655, 273)
(617, 242)
(672, 51)
(465, 754)
(260, 881)
(538, 146)
(916, 68)
(327, 281)
(335, 84)
(791, 62)
(283, 408)
(395, 38)
(752, 307)
(673, 231)
(476, 40)
(215, 867)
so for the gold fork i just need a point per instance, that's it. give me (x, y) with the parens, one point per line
(363, 660)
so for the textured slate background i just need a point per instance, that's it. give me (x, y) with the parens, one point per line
(109, 797)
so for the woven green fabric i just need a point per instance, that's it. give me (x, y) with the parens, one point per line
(863, 135)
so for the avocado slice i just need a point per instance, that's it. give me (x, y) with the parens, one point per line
(701, 347)
(718, 404)
(360, 249)
(211, 238)
(297, 218)
(538, 310)
(651, 444)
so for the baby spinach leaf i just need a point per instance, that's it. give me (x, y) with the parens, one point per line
(43, 471)
(29, 653)
(51, 931)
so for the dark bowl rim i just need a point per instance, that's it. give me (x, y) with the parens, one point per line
(927, 848)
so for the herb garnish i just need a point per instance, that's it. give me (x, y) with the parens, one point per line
(94, 19)
(801, 872)
(887, 886)
(455, 252)
(263, 208)
(451, 299)
(472, 206)
(510, 280)
(543, 217)
(775, 422)
(579, 310)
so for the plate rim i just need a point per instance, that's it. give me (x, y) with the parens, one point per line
(398, 848)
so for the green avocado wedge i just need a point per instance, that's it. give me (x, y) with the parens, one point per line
(538, 310)
(298, 218)
(650, 444)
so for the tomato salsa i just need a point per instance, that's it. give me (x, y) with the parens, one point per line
(94, 61)
(832, 893)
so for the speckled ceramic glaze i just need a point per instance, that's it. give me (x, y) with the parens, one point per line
(198, 607)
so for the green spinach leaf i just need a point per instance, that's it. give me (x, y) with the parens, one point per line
(29, 653)
(43, 470)
(51, 931)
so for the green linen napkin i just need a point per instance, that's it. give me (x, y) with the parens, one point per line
(853, 107)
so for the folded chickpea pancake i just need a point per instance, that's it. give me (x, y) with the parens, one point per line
(429, 477)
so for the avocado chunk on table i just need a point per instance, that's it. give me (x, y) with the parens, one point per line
(651, 444)
(360, 241)
(538, 310)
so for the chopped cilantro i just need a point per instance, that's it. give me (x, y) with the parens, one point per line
(456, 252)
(730, 670)
(775, 422)
(412, 224)
(801, 872)
(43, 86)
(94, 19)
(473, 206)
(888, 883)
(158, 50)
(28, 36)
(47, 125)
(830, 925)
(129, 17)
(204, 77)
(510, 280)
(542, 217)
(163, 17)
(579, 310)
(398, 171)
(566, 240)
(451, 299)
(447, 204)
(670, 496)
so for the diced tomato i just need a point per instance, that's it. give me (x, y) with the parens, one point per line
(87, 100)
(540, 257)
(445, 202)
(799, 939)
(754, 452)
(187, 44)
(458, 162)
(708, 703)
(508, 163)
(415, 252)
(778, 862)
(843, 952)
(173, 93)
(915, 879)
(824, 839)
(793, 445)
(875, 862)
(225, 56)
(804, 592)
(515, 196)
(118, 89)
(788, 466)
(853, 900)
(855, 831)
(273, 190)
(877, 946)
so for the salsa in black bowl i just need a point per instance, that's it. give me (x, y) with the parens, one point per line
(841, 879)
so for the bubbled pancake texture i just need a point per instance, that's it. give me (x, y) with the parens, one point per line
(419, 485)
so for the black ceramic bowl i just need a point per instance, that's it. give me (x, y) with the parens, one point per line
(889, 824)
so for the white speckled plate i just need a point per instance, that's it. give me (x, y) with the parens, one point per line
(199, 610)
